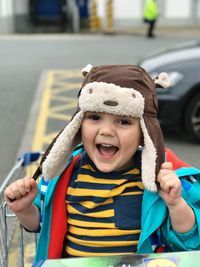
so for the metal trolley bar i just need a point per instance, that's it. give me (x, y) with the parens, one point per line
(8, 221)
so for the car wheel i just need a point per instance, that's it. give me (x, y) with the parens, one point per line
(192, 118)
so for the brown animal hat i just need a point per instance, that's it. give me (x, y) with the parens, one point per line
(125, 90)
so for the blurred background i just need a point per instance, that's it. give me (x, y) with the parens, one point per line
(33, 16)
(44, 44)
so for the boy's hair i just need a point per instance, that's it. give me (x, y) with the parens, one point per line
(125, 90)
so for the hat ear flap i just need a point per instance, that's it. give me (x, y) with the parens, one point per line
(153, 153)
(56, 159)
(149, 157)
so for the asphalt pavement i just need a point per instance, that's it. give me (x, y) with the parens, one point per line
(24, 59)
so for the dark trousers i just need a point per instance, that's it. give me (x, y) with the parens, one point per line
(151, 27)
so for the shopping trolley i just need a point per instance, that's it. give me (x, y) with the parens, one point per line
(13, 238)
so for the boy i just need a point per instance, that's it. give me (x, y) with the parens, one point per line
(117, 194)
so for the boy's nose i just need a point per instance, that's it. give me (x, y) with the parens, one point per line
(107, 130)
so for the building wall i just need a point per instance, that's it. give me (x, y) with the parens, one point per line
(6, 16)
(14, 14)
(128, 13)
(21, 16)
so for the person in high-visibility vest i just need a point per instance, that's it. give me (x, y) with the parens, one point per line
(150, 15)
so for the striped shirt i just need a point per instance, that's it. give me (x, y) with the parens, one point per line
(104, 210)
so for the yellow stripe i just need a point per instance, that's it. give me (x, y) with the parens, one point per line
(101, 232)
(133, 171)
(91, 204)
(100, 214)
(88, 167)
(90, 179)
(90, 224)
(102, 193)
(107, 244)
(132, 193)
(74, 252)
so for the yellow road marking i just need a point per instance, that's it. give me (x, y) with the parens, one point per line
(56, 88)
(42, 118)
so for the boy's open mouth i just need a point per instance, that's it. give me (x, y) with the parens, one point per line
(106, 149)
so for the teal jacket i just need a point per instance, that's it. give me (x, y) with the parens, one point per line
(51, 202)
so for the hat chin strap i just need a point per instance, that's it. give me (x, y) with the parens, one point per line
(149, 156)
(56, 160)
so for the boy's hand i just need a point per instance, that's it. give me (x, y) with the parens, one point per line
(170, 185)
(20, 194)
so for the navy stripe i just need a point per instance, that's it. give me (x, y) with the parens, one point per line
(95, 186)
(72, 198)
(121, 249)
(133, 237)
(85, 218)
(133, 190)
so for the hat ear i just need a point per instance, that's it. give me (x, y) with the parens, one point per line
(162, 80)
(86, 69)
(56, 159)
(149, 157)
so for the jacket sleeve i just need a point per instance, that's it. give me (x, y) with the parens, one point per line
(190, 240)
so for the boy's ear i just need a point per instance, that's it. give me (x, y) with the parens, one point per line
(141, 141)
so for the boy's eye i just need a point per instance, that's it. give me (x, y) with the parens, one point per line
(124, 122)
(94, 117)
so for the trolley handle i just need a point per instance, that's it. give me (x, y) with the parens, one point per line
(26, 159)
(29, 157)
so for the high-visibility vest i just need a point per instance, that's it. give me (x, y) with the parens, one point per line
(150, 10)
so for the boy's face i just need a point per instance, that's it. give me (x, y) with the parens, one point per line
(110, 140)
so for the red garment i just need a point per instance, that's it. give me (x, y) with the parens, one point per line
(177, 163)
(59, 223)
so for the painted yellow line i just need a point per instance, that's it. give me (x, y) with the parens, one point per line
(57, 116)
(56, 87)
(70, 104)
(42, 118)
